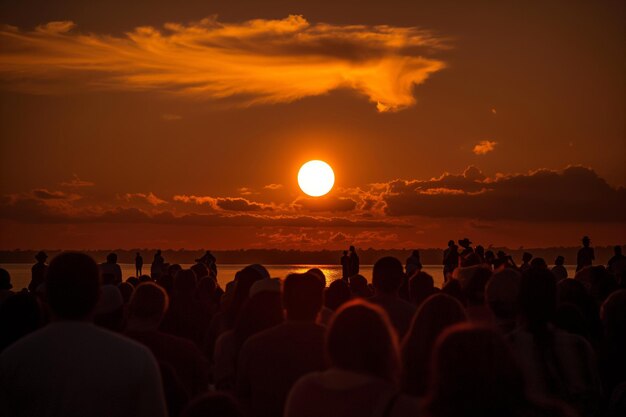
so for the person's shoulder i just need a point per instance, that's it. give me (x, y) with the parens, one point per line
(34, 341)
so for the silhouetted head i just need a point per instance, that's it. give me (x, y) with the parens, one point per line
(5, 280)
(537, 297)
(358, 286)
(345, 252)
(200, 270)
(302, 296)
(20, 314)
(243, 281)
(480, 250)
(450, 243)
(526, 257)
(337, 293)
(263, 272)
(112, 258)
(126, 290)
(539, 263)
(617, 250)
(73, 286)
(502, 293)
(213, 404)
(613, 314)
(149, 302)
(134, 281)
(434, 315)
(319, 274)
(474, 373)
(559, 260)
(360, 338)
(416, 253)
(174, 268)
(453, 289)
(206, 288)
(421, 286)
(387, 275)
(586, 241)
(473, 280)
(489, 257)
(465, 243)
(145, 278)
(158, 252)
(109, 311)
(185, 282)
(352, 249)
(41, 256)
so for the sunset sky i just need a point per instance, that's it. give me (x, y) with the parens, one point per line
(183, 124)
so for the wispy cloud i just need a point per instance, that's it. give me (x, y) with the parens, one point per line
(150, 198)
(77, 182)
(484, 146)
(257, 61)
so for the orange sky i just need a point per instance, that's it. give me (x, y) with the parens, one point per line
(184, 125)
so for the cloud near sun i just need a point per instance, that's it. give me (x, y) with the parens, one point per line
(257, 61)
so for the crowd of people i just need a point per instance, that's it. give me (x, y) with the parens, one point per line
(498, 339)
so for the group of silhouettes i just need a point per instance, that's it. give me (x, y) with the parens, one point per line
(498, 339)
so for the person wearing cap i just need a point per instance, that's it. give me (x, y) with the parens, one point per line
(38, 271)
(5, 285)
(586, 255)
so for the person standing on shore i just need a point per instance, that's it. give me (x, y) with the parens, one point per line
(138, 264)
(354, 261)
(156, 269)
(586, 255)
(38, 271)
(345, 265)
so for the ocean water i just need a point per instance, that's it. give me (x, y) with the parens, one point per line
(20, 273)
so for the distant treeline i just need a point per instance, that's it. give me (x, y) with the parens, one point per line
(429, 256)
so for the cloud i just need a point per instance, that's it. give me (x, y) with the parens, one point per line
(224, 203)
(273, 186)
(575, 194)
(76, 182)
(324, 204)
(484, 146)
(150, 198)
(215, 60)
(44, 194)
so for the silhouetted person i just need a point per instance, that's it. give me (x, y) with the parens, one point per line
(480, 253)
(73, 368)
(474, 373)
(362, 349)
(20, 314)
(501, 296)
(270, 362)
(260, 312)
(467, 250)
(345, 265)
(145, 313)
(158, 264)
(585, 255)
(387, 276)
(436, 314)
(559, 270)
(359, 287)
(337, 294)
(612, 358)
(110, 267)
(413, 263)
(526, 257)
(557, 364)
(473, 280)
(109, 312)
(38, 271)
(184, 316)
(617, 263)
(490, 257)
(210, 261)
(138, 264)
(354, 261)
(421, 286)
(5, 285)
(450, 259)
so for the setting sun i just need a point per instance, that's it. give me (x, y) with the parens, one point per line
(316, 178)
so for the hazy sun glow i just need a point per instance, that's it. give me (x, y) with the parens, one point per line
(316, 178)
